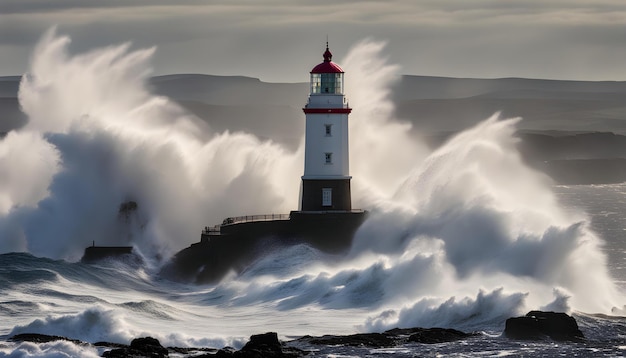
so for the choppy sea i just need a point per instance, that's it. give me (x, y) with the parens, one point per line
(116, 301)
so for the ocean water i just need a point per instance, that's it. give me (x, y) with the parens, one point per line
(291, 293)
(605, 205)
(463, 237)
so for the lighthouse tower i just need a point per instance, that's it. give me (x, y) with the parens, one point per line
(326, 179)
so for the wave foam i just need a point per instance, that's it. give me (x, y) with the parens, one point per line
(92, 325)
(57, 349)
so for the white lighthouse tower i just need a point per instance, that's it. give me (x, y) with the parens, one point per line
(325, 221)
(326, 179)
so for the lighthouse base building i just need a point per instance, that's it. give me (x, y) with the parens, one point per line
(324, 195)
(325, 219)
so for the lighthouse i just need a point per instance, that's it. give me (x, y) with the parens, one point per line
(326, 179)
(325, 221)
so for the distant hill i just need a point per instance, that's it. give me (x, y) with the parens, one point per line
(236, 103)
(11, 117)
(435, 104)
(230, 90)
(9, 86)
(427, 87)
(579, 126)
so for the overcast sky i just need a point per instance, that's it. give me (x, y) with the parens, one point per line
(281, 40)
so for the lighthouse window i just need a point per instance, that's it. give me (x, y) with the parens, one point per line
(328, 129)
(339, 83)
(316, 83)
(322, 83)
(328, 158)
(328, 82)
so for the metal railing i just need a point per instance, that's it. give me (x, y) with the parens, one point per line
(253, 218)
(211, 230)
(216, 230)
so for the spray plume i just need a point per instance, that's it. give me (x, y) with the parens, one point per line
(97, 138)
(383, 150)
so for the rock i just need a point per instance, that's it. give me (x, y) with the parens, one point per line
(224, 352)
(438, 335)
(538, 325)
(267, 343)
(260, 346)
(374, 340)
(393, 337)
(140, 347)
(196, 352)
(116, 353)
(41, 338)
(150, 345)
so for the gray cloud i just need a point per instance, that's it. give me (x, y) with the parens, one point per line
(275, 40)
(41, 6)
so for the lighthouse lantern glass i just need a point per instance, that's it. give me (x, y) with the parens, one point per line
(322, 83)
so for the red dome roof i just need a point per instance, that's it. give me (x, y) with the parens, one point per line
(327, 66)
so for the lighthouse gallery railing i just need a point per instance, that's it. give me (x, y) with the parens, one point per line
(216, 230)
(243, 219)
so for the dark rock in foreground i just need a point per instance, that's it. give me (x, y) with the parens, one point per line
(393, 337)
(438, 335)
(140, 347)
(374, 340)
(41, 338)
(267, 344)
(538, 325)
(262, 345)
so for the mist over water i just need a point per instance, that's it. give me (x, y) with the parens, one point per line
(463, 237)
